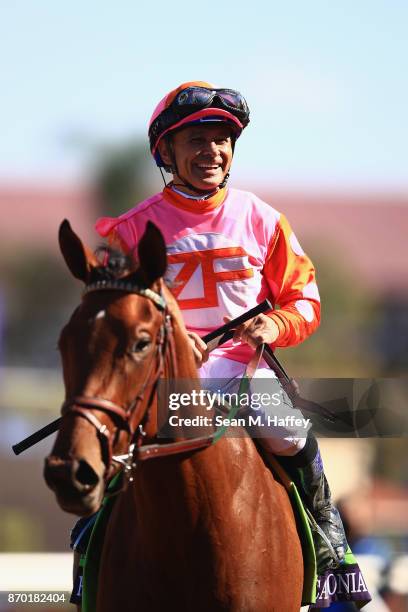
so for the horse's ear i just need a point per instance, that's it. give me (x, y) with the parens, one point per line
(152, 254)
(79, 259)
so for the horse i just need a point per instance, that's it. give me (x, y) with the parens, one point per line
(200, 526)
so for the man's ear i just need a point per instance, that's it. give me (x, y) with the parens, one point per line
(78, 257)
(163, 148)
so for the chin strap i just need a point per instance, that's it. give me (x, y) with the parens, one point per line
(197, 198)
(202, 195)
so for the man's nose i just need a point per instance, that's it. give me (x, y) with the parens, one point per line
(211, 147)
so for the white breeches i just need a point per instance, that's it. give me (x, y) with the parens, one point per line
(280, 428)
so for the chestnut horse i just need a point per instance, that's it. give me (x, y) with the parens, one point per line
(204, 530)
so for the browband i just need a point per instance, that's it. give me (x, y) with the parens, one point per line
(123, 285)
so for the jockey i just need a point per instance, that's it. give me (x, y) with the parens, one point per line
(228, 251)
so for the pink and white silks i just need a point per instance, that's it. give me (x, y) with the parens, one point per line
(226, 255)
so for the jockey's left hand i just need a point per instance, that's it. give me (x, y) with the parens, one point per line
(259, 330)
(199, 347)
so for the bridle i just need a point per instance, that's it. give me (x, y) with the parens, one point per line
(165, 353)
(83, 405)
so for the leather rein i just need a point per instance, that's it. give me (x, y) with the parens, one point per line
(83, 405)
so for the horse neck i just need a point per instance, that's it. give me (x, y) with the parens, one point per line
(182, 377)
(182, 355)
(186, 473)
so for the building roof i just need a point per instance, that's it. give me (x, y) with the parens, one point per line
(31, 214)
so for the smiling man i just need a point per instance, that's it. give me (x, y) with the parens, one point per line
(201, 156)
(228, 251)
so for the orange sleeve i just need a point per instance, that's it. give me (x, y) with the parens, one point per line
(291, 278)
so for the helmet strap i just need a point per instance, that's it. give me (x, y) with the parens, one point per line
(164, 180)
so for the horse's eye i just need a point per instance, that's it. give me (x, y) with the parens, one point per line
(141, 345)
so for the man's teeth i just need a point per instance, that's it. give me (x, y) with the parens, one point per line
(208, 166)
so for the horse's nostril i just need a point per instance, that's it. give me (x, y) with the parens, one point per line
(85, 474)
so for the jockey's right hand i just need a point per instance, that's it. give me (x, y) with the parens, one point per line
(199, 347)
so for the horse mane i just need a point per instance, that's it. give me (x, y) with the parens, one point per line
(115, 264)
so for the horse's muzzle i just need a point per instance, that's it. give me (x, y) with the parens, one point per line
(78, 487)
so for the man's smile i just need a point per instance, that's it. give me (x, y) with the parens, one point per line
(208, 168)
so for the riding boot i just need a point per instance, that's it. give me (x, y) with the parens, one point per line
(306, 469)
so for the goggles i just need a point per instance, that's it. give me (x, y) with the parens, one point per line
(193, 99)
(196, 98)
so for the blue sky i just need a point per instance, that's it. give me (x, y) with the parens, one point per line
(326, 83)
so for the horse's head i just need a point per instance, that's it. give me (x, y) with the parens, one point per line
(112, 352)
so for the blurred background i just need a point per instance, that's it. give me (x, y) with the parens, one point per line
(327, 146)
